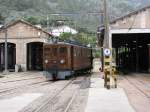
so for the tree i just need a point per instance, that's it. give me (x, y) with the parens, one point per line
(65, 36)
(32, 20)
(2, 19)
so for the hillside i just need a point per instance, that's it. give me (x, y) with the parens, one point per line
(37, 10)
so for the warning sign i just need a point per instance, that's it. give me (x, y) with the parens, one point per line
(107, 52)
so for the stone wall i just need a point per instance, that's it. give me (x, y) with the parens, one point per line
(137, 21)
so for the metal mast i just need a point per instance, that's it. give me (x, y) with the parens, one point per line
(6, 53)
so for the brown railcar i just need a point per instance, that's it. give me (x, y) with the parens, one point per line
(62, 60)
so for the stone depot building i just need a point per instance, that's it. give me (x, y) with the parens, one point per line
(129, 36)
(25, 45)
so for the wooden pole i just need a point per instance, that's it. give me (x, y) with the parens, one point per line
(106, 24)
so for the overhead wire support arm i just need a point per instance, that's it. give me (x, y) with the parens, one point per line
(76, 13)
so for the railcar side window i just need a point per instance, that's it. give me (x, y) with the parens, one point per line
(47, 51)
(78, 52)
(75, 52)
(62, 50)
(86, 53)
(89, 53)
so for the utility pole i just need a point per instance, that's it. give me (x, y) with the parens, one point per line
(47, 22)
(110, 77)
(106, 25)
(6, 53)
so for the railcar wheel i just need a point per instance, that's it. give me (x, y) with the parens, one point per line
(108, 86)
(67, 77)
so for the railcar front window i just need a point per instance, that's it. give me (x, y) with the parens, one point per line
(62, 50)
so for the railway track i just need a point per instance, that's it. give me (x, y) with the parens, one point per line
(20, 77)
(25, 81)
(9, 91)
(135, 82)
(70, 102)
(48, 104)
(84, 84)
(137, 91)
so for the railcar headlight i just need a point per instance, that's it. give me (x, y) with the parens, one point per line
(62, 61)
(46, 61)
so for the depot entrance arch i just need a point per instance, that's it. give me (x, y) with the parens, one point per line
(35, 56)
(132, 51)
(11, 51)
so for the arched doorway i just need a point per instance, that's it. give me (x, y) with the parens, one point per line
(11, 51)
(35, 56)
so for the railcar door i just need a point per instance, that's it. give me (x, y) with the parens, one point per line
(54, 58)
(63, 57)
(50, 57)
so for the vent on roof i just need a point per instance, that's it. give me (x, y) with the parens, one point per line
(38, 26)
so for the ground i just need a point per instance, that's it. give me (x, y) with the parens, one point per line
(137, 88)
(31, 92)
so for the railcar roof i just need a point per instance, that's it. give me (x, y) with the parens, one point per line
(64, 43)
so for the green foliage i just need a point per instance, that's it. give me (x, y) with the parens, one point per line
(39, 9)
(65, 36)
(32, 20)
(97, 53)
(86, 38)
(1, 19)
(83, 38)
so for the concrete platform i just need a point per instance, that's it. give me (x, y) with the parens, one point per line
(103, 100)
(17, 103)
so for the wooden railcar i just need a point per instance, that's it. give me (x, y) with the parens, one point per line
(62, 60)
